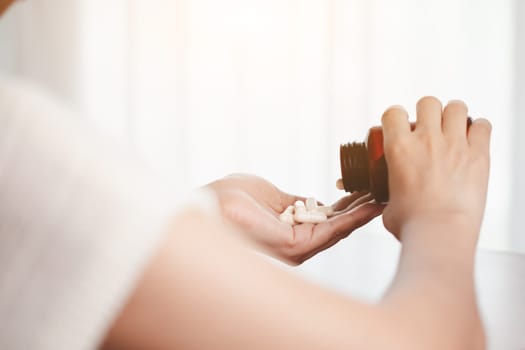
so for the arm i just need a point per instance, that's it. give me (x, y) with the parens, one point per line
(432, 298)
(242, 302)
(436, 210)
(205, 289)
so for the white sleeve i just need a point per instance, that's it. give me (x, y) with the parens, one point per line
(78, 223)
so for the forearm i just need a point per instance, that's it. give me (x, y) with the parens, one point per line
(438, 251)
(434, 287)
(205, 289)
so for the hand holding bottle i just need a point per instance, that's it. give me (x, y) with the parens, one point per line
(438, 172)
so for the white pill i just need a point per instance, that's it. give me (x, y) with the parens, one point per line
(299, 207)
(298, 204)
(311, 204)
(287, 218)
(290, 209)
(301, 217)
(325, 209)
(317, 217)
(306, 213)
(312, 217)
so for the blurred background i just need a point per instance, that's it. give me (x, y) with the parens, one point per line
(204, 88)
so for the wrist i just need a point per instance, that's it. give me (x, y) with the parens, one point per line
(449, 223)
(441, 249)
(449, 233)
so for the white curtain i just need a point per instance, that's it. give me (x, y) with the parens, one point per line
(203, 88)
(518, 152)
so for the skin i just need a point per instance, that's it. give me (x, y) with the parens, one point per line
(253, 205)
(183, 301)
(207, 287)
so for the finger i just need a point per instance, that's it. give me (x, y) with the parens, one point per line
(344, 202)
(395, 123)
(364, 199)
(371, 204)
(479, 135)
(336, 228)
(429, 110)
(455, 118)
(338, 237)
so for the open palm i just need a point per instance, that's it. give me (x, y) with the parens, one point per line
(254, 205)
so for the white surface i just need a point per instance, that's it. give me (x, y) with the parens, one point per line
(518, 205)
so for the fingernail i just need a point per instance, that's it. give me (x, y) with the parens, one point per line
(457, 102)
(397, 107)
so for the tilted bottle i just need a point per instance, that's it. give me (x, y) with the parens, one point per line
(364, 167)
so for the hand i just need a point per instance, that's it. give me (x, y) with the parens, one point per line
(438, 172)
(254, 205)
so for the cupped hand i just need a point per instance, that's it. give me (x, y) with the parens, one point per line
(254, 205)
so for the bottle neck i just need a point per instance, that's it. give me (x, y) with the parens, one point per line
(355, 167)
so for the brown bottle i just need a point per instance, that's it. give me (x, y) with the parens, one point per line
(363, 165)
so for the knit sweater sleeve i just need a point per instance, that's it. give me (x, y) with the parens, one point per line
(79, 221)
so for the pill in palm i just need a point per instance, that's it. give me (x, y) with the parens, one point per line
(287, 218)
(300, 208)
(289, 210)
(311, 204)
(311, 217)
(298, 204)
(306, 212)
(325, 209)
(288, 215)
